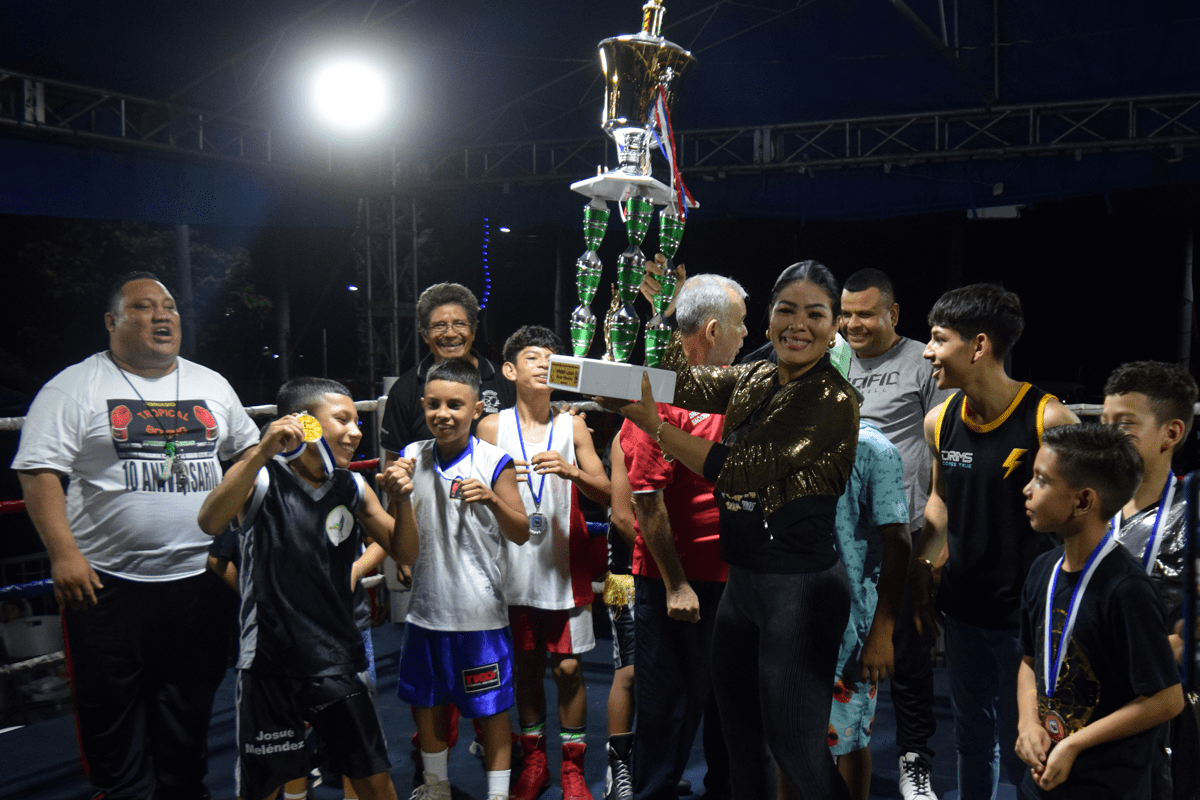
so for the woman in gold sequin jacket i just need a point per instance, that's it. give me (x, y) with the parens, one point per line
(786, 453)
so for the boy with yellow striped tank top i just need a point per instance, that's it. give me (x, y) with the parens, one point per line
(983, 440)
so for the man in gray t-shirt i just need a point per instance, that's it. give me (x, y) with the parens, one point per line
(898, 390)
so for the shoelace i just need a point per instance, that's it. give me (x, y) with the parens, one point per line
(623, 780)
(422, 791)
(918, 775)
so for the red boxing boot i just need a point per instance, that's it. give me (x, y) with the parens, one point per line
(574, 786)
(535, 774)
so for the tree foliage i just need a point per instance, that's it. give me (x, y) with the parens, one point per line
(61, 278)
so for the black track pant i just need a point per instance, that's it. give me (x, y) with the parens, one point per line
(145, 663)
(673, 686)
(912, 682)
(774, 656)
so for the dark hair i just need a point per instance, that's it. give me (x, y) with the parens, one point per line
(531, 336)
(302, 394)
(1097, 457)
(1171, 389)
(986, 308)
(815, 273)
(870, 278)
(442, 294)
(116, 289)
(455, 370)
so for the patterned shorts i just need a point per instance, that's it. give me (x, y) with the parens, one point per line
(852, 717)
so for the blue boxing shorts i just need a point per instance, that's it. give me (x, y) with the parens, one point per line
(472, 669)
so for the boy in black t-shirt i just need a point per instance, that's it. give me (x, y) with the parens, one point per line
(1089, 696)
(301, 653)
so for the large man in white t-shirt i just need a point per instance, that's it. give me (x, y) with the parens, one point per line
(139, 434)
(898, 390)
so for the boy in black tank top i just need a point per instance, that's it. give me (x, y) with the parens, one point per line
(983, 441)
(301, 652)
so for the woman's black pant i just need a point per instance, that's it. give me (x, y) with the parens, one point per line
(774, 656)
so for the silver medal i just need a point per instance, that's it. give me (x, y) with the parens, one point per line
(179, 469)
(537, 523)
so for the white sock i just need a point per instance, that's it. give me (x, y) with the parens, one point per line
(437, 764)
(498, 781)
(296, 796)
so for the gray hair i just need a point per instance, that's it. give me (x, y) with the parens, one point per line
(705, 297)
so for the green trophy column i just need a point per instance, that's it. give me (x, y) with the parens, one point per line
(670, 233)
(588, 270)
(622, 321)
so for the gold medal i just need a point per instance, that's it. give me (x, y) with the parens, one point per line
(312, 428)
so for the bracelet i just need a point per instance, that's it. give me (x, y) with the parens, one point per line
(926, 562)
(658, 433)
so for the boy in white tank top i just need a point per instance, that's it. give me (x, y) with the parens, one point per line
(549, 585)
(466, 510)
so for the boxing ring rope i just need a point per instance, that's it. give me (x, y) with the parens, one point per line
(45, 586)
(40, 587)
(1192, 490)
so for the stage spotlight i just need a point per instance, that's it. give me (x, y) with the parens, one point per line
(350, 96)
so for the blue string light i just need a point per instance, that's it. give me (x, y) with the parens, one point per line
(487, 270)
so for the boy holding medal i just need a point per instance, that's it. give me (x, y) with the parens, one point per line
(549, 585)
(464, 503)
(1098, 674)
(301, 657)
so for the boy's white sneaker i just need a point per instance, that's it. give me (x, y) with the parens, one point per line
(914, 778)
(432, 789)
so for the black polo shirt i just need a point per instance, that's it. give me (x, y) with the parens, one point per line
(404, 419)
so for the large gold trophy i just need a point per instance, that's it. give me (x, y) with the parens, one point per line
(642, 74)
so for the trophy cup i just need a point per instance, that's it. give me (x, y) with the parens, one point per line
(642, 75)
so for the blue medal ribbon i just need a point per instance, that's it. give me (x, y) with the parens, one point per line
(470, 465)
(1051, 668)
(323, 449)
(1150, 556)
(537, 496)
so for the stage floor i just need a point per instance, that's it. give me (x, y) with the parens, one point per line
(41, 761)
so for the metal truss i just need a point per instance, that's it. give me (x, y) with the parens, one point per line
(69, 112)
(1169, 124)
(385, 247)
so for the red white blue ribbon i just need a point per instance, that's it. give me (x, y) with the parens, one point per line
(660, 118)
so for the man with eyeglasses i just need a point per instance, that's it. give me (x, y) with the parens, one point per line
(448, 315)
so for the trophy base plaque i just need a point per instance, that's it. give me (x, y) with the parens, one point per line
(592, 376)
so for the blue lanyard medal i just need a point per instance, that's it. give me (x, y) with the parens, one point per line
(312, 433)
(1052, 666)
(457, 481)
(1150, 556)
(537, 520)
